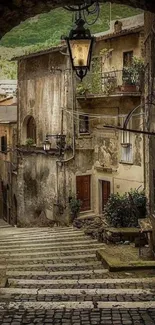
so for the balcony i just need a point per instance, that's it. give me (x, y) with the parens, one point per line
(111, 83)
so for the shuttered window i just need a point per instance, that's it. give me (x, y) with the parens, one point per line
(4, 144)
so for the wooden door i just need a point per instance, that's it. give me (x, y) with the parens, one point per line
(105, 193)
(83, 191)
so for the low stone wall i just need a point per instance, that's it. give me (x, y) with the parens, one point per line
(98, 228)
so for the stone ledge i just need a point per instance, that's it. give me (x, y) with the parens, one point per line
(115, 264)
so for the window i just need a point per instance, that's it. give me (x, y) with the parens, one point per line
(126, 137)
(126, 143)
(83, 124)
(126, 154)
(4, 144)
(127, 58)
(31, 129)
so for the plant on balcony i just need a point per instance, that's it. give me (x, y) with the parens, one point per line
(133, 75)
(110, 85)
(83, 88)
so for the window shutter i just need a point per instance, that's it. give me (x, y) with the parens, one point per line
(4, 144)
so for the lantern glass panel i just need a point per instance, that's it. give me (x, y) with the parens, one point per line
(47, 146)
(80, 49)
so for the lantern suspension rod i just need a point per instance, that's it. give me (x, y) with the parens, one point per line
(129, 130)
(84, 6)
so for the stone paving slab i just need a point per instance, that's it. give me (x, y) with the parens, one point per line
(78, 317)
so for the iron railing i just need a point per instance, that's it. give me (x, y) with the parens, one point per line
(110, 82)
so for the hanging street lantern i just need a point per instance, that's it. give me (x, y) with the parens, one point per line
(47, 144)
(80, 44)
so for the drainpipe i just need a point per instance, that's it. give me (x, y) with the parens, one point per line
(73, 109)
(73, 144)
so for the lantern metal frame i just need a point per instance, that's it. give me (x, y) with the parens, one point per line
(60, 142)
(80, 33)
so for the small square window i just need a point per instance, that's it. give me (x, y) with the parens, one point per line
(83, 124)
(127, 58)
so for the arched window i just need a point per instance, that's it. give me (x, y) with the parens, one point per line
(31, 128)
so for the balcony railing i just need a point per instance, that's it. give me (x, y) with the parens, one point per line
(111, 82)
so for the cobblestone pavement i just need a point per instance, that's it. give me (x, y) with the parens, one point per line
(54, 277)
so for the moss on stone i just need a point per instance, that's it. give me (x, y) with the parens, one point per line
(123, 258)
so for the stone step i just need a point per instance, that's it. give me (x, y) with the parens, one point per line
(42, 237)
(18, 234)
(56, 273)
(78, 292)
(46, 253)
(77, 305)
(47, 247)
(65, 266)
(47, 243)
(97, 281)
(50, 258)
(47, 239)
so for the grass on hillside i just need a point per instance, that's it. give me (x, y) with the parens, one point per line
(49, 27)
(45, 30)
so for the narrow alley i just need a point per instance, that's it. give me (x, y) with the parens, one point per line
(52, 276)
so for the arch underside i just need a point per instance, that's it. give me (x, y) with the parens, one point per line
(12, 12)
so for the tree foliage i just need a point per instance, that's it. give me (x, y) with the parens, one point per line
(125, 210)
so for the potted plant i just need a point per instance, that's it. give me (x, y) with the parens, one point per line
(133, 75)
(83, 89)
(29, 143)
(75, 206)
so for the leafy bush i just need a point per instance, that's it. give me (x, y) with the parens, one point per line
(125, 210)
(75, 205)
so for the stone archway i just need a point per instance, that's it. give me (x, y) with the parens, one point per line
(12, 12)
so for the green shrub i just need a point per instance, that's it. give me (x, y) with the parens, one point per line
(125, 210)
(75, 205)
(29, 142)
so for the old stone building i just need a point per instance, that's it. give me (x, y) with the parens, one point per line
(8, 160)
(94, 161)
(106, 98)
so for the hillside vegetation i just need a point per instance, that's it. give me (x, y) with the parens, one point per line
(45, 30)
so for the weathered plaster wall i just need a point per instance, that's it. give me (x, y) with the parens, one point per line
(7, 164)
(43, 85)
(42, 94)
(107, 163)
(118, 45)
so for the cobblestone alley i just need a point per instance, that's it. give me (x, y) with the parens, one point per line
(52, 276)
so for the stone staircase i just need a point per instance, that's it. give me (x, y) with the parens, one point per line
(54, 277)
